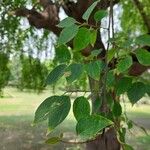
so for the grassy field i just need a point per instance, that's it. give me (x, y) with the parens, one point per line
(17, 113)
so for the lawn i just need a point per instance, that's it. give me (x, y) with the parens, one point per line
(17, 133)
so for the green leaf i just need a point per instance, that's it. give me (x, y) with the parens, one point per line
(59, 111)
(117, 109)
(124, 64)
(94, 69)
(136, 92)
(147, 86)
(143, 40)
(122, 133)
(89, 127)
(93, 37)
(111, 53)
(62, 54)
(96, 52)
(56, 74)
(81, 108)
(130, 124)
(76, 71)
(55, 109)
(96, 105)
(88, 12)
(42, 111)
(127, 147)
(100, 14)
(123, 85)
(82, 39)
(53, 140)
(68, 34)
(143, 57)
(67, 22)
(110, 79)
(110, 101)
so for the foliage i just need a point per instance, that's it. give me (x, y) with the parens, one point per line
(4, 70)
(17, 41)
(117, 79)
(108, 74)
(33, 74)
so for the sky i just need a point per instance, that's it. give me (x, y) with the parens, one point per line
(48, 51)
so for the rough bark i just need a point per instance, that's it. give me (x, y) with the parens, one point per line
(106, 141)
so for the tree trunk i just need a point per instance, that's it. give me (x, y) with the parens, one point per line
(108, 139)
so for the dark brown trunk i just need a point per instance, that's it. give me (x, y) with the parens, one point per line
(107, 141)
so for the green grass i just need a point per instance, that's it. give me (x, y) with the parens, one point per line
(140, 110)
(16, 116)
(17, 113)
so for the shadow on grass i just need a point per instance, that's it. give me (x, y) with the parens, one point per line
(16, 133)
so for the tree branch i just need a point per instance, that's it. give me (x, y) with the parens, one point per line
(104, 4)
(47, 19)
(76, 10)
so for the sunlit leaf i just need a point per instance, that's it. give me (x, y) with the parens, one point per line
(122, 133)
(124, 64)
(82, 39)
(69, 21)
(93, 37)
(89, 127)
(143, 57)
(110, 55)
(100, 14)
(53, 140)
(96, 52)
(67, 34)
(88, 12)
(127, 147)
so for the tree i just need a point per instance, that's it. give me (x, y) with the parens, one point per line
(4, 71)
(111, 67)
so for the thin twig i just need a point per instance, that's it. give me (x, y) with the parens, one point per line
(93, 26)
(75, 142)
(108, 45)
(77, 91)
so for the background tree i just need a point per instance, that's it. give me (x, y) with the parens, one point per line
(44, 14)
